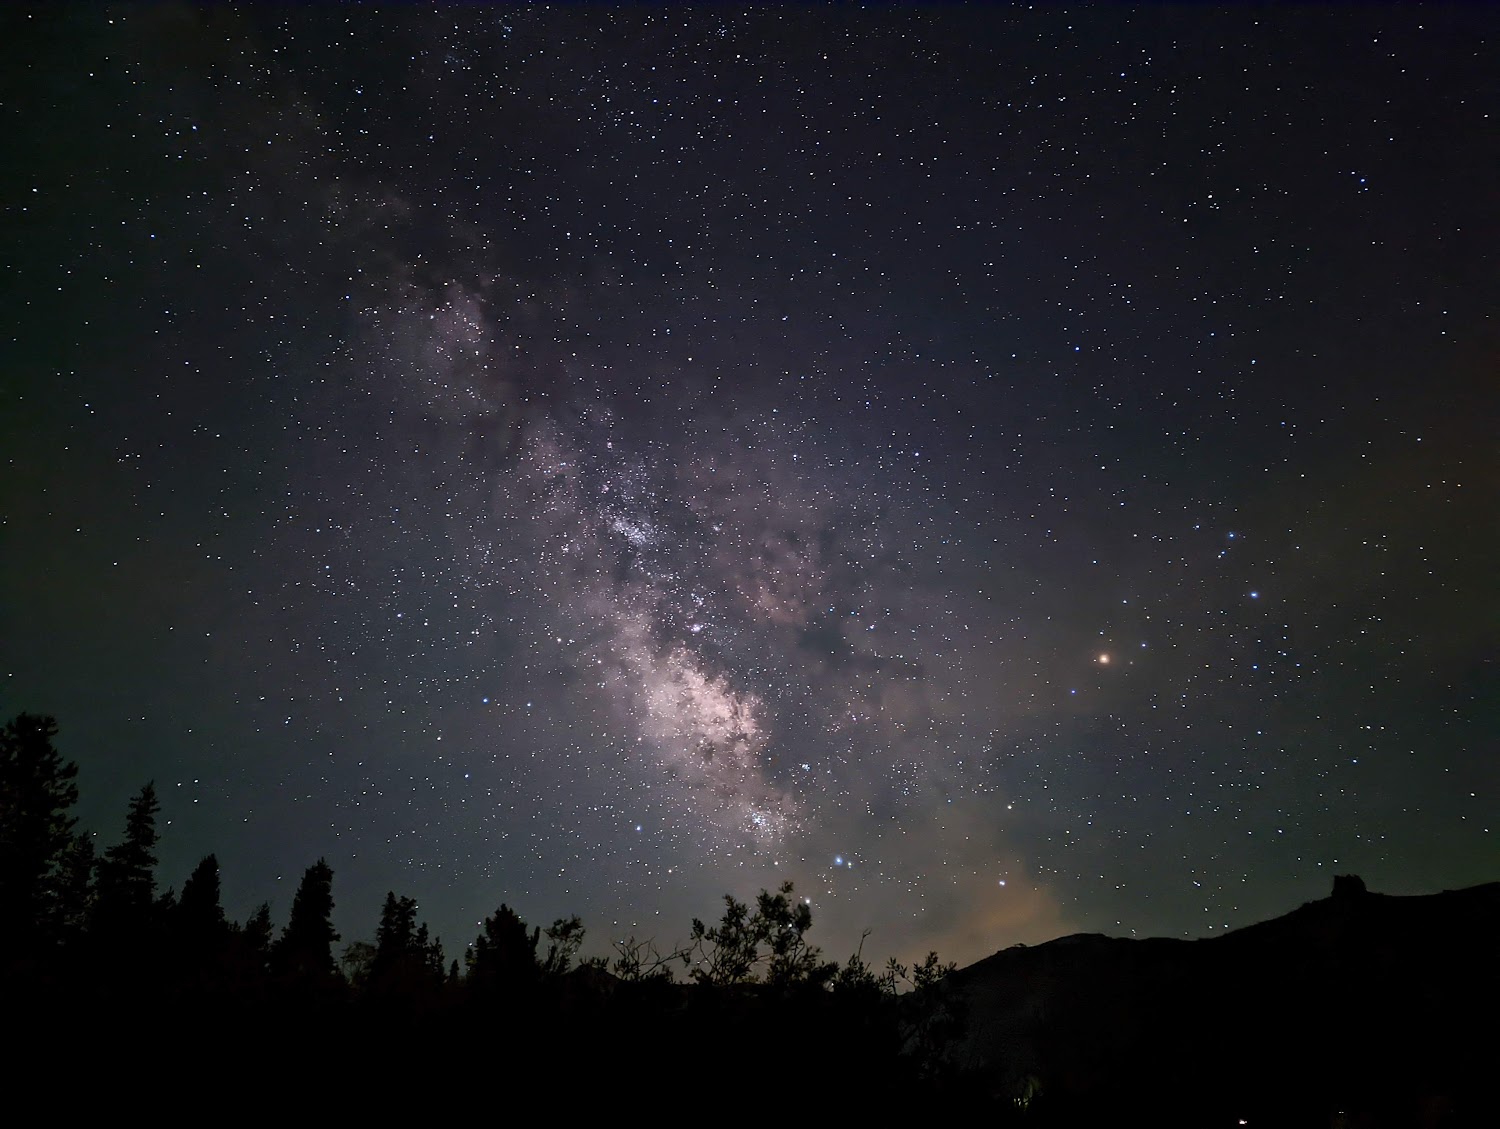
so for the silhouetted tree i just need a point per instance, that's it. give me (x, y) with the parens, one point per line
(564, 939)
(198, 924)
(396, 935)
(405, 961)
(199, 907)
(730, 952)
(726, 954)
(856, 979)
(74, 904)
(504, 955)
(641, 962)
(865, 1031)
(920, 976)
(256, 933)
(304, 952)
(358, 961)
(125, 894)
(431, 950)
(784, 922)
(36, 831)
(250, 949)
(933, 1019)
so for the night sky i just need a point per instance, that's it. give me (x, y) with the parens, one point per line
(1010, 472)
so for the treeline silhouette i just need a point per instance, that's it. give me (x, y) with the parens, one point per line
(748, 1013)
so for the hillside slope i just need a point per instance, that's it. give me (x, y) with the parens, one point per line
(1356, 1009)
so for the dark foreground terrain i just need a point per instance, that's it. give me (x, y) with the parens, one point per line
(1358, 1009)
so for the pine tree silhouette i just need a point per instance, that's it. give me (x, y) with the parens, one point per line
(406, 964)
(199, 930)
(124, 917)
(36, 833)
(503, 957)
(303, 956)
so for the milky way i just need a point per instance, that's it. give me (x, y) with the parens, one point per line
(727, 612)
(1005, 472)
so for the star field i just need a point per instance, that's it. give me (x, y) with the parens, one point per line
(1009, 472)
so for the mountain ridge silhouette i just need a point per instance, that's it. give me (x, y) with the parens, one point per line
(1358, 1008)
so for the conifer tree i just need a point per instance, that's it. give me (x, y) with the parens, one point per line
(395, 937)
(504, 955)
(36, 831)
(126, 892)
(257, 929)
(305, 949)
(405, 961)
(199, 901)
(74, 889)
(430, 953)
(251, 943)
(198, 922)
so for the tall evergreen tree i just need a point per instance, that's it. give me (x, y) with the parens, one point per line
(251, 944)
(74, 889)
(304, 951)
(503, 957)
(396, 936)
(429, 951)
(127, 938)
(405, 962)
(198, 921)
(37, 791)
(126, 891)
